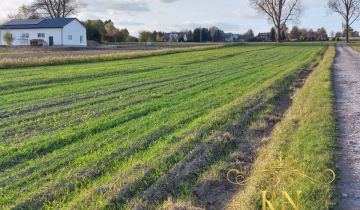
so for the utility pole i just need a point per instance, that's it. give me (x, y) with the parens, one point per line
(200, 34)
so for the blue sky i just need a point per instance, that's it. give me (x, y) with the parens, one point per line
(168, 15)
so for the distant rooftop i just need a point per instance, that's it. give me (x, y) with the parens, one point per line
(37, 23)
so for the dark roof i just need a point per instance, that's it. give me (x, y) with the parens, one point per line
(264, 34)
(37, 23)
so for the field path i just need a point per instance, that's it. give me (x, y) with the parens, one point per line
(347, 91)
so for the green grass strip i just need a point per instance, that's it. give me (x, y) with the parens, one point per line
(301, 148)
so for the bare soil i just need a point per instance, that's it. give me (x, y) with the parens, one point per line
(346, 73)
(15, 53)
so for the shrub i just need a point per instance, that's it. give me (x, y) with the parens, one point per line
(8, 38)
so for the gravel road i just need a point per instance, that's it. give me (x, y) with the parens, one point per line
(346, 72)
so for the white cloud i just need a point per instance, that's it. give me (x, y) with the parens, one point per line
(169, 1)
(10, 6)
(127, 6)
(248, 14)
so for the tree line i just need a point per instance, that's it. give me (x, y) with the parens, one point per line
(279, 12)
(105, 31)
(302, 34)
(212, 34)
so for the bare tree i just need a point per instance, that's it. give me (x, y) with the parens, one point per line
(279, 12)
(56, 8)
(24, 12)
(349, 11)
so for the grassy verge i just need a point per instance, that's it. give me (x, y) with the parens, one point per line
(11, 63)
(355, 46)
(302, 144)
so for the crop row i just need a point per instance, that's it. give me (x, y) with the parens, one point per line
(78, 140)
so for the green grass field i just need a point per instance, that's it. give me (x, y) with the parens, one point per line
(304, 141)
(355, 46)
(105, 134)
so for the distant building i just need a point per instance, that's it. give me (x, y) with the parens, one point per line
(230, 37)
(175, 37)
(57, 31)
(350, 38)
(265, 36)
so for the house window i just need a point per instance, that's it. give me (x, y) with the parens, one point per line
(25, 35)
(81, 39)
(70, 37)
(41, 35)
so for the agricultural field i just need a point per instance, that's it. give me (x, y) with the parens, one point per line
(145, 132)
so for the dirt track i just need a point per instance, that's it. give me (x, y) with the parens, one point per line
(28, 53)
(347, 91)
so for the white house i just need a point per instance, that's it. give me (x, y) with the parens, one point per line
(57, 31)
